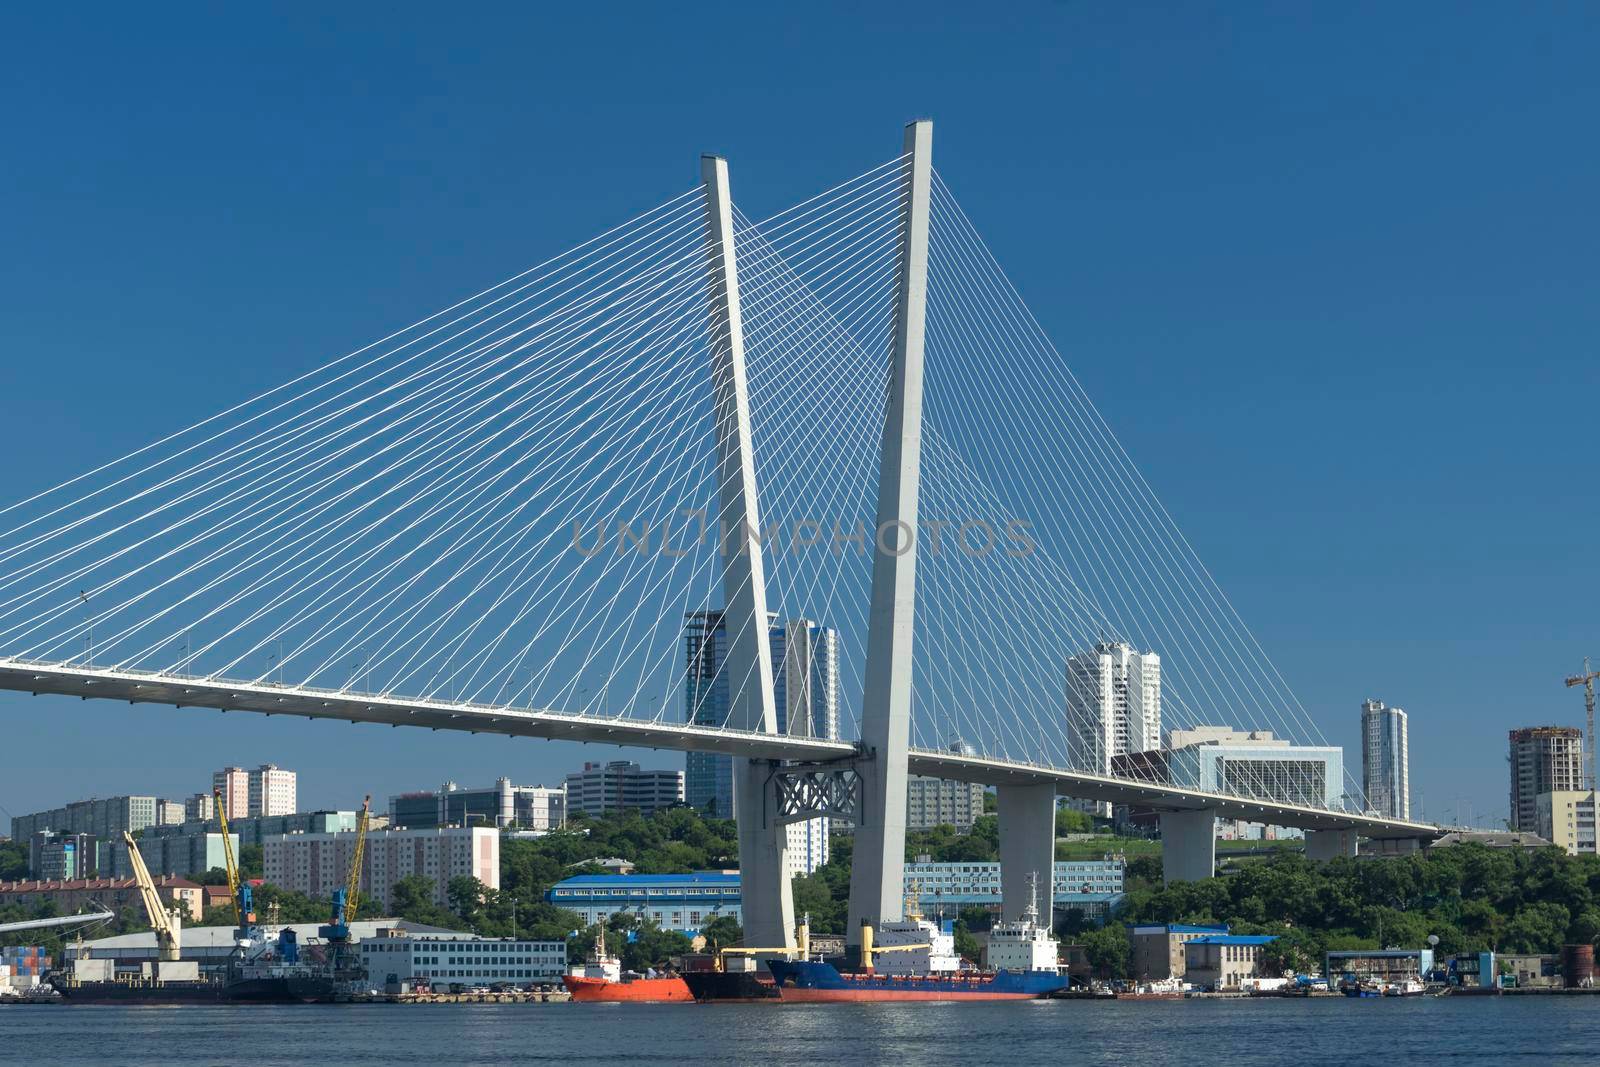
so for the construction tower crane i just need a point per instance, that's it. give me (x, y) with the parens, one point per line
(1586, 679)
(244, 910)
(347, 898)
(168, 927)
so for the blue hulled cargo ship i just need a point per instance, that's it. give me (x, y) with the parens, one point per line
(1022, 954)
(815, 981)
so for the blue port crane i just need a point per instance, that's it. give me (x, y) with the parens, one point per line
(347, 898)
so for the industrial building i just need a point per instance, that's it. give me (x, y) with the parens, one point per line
(317, 864)
(684, 902)
(1113, 707)
(102, 894)
(621, 785)
(212, 946)
(502, 805)
(1158, 948)
(1566, 818)
(1223, 961)
(460, 958)
(1378, 965)
(942, 889)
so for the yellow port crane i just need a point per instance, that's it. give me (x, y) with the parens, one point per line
(1586, 679)
(347, 898)
(352, 890)
(168, 927)
(238, 890)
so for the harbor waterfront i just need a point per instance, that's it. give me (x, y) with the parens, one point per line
(1466, 1031)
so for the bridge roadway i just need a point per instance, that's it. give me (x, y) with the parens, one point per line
(139, 687)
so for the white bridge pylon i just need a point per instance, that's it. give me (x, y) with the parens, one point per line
(507, 518)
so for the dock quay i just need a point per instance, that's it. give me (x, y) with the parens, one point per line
(516, 997)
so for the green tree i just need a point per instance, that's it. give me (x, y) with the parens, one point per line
(1108, 950)
(722, 932)
(1069, 821)
(412, 899)
(1074, 922)
(967, 945)
(1537, 928)
(468, 899)
(13, 861)
(1585, 929)
(252, 860)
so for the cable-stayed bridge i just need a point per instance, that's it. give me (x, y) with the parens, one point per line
(812, 491)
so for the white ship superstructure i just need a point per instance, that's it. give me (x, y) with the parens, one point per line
(1024, 945)
(937, 957)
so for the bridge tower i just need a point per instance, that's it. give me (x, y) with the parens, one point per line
(768, 903)
(877, 871)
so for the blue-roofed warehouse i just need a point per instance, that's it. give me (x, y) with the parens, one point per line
(1158, 948)
(676, 901)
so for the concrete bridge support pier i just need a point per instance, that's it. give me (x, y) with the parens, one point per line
(877, 868)
(1027, 847)
(1324, 845)
(768, 902)
(1188, 845)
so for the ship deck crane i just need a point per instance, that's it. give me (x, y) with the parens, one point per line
(168, 927)
(1586, 679)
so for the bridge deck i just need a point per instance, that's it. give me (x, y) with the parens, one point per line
(270, 699)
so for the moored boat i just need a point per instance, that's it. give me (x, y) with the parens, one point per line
(1023, 954)
(601, 979)
(1408, 987)
(731, 987)
(1352, 986)
(815, 981)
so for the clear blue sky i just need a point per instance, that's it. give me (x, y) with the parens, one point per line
(1329, 270)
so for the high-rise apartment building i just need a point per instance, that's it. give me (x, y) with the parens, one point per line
(1113, 706)
(805, 691)
(232, 784)
(104, 818)
(272, 791)
(1544, 759)
(1385, 771)
(62, 856)
(1567, 818)
(267, 790)
(316, 864)
(934, 802)
(201, 807)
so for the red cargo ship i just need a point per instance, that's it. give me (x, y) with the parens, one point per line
(601, 980)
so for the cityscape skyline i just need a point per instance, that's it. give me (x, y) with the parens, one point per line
(1451, 579)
